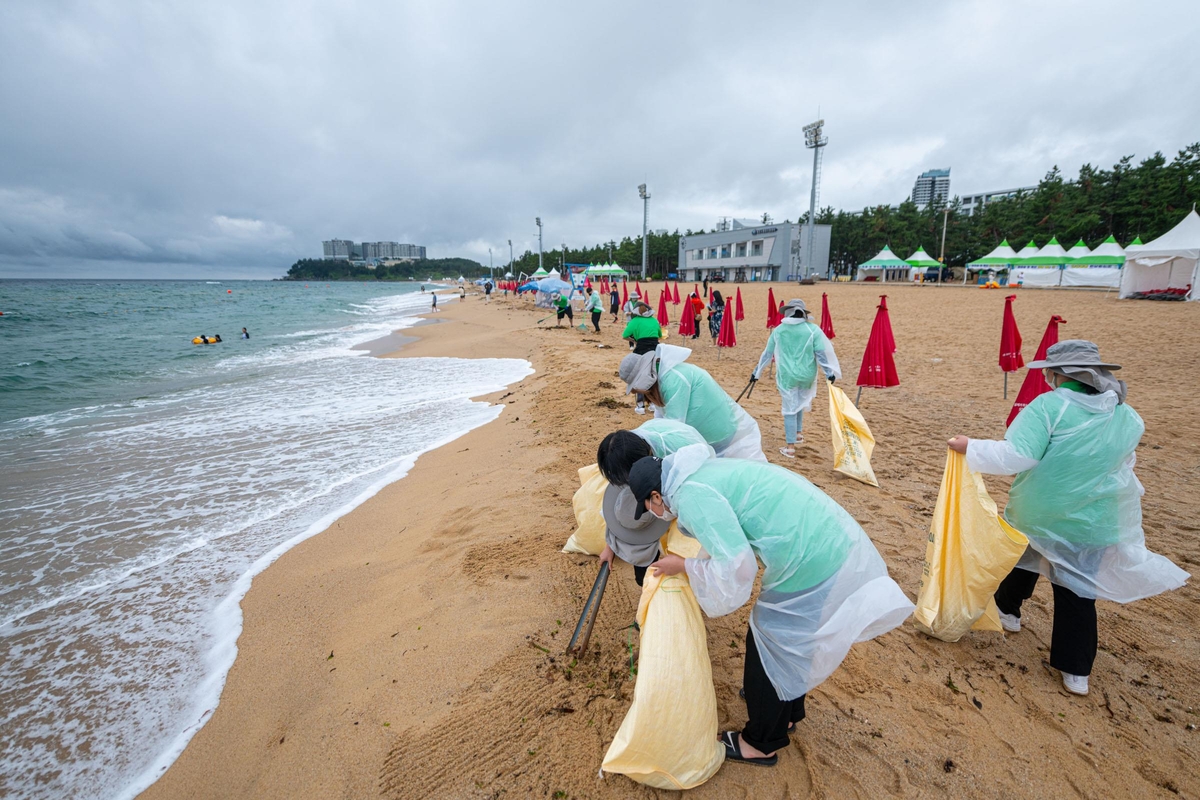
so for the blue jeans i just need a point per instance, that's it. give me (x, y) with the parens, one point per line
(793, 424)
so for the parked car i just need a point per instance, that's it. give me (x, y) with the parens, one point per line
(938, 274)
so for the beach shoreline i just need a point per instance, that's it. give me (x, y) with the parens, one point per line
(414, 648)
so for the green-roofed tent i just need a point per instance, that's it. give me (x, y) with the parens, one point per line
(540, 273)
(922, 260)
(997, 260)
(884, 262)
(1042, 269)
(1052, 255)
(1080, 250)
(1137, 241)
(1028, 250)
(1100, 267)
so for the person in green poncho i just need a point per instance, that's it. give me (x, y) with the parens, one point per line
(563, 306)
(687, 393)
(1077, 499)
(798, 347)
(595, 305)
(824, 585)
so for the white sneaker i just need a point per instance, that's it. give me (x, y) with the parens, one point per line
(1010, 623)
(1075, 684)
(640, 410)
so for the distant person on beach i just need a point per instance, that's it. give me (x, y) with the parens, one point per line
(462, 292)
(705, 284)
(487, 292)
(595, 305)
(716, 311)
(824, 585)
(686, 393)
(642, 332)
(563, 307)
(798, 348)
(630, 307)
(614, 303)
(1075, 496)
(422, 288)
(245, 333)
(697, 306)
(434, 296)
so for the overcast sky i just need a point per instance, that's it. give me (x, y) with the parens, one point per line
(224, 139)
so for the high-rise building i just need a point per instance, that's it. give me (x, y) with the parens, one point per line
(977, 202)
(342, 249)
(932, 187)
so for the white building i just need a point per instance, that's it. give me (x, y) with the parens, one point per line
(749, 251)
(975, 202)
(932, 187)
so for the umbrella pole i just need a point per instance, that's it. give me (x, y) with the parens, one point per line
(858, 397)
(1006, 386)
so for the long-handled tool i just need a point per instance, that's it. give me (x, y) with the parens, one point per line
(749, 388)
(596, 595)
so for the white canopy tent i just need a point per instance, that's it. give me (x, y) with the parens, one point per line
(1168, 265)
(1042, 269)
(1000, 258)
(1100, 267)
(884, 265)
(1080, 250)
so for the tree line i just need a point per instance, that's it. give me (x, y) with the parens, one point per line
(327, 269)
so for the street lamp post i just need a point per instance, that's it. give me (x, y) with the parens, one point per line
(942, 255)
(814, 141)
(566, 271)
(538, 220)
(491, 270)
(642, 193)
(510, 256)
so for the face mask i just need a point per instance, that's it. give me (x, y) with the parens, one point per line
(666, 516)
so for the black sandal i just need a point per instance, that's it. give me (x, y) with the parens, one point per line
(733, 751)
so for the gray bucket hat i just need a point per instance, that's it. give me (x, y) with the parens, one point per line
(1072, 353)
(639, 371)
(634, 540)
(794, 305)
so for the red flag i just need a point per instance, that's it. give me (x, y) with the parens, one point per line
(1035, 383)
(687, 321)
(878, 370)
(663, 319)
(826, 320)
(889, 339)
(675, 299)
(638, 287)
(741, 311)
(727, 337)
(624, 292)
(1011, 359)
(773, 315)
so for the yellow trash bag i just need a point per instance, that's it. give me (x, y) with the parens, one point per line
(668, 739)
(971, 549)
(852, 439)
(588, 501)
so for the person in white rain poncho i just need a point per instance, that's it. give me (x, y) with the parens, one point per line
(798, 346)
(1076, 498)
(635, 540)
(686, 393)
(824, 585)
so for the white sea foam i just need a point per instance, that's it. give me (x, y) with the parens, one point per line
(133, 529)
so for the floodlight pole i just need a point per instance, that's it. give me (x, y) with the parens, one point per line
(642, 193)
(510, 255)
(814, 141)
(538, 220)
(942, 256)
(491, 269)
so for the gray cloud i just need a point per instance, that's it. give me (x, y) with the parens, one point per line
(229, 138)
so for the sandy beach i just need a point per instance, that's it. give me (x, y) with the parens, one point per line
(415, 648)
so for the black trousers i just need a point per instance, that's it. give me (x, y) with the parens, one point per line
(767, 728)
(1073, 639)
(596, 320)
(639, 573)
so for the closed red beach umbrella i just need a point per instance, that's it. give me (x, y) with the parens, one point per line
(638, 287)
(1035, 383)
(878, 370)
(889, 339)
(1011, 359)
(624, 292)
(773, 315)
(740, 313)
(826, 320)
(726, 337)
(663, 319)
(687, 321)
(675, 299)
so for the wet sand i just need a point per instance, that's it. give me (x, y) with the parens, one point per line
(415, 648)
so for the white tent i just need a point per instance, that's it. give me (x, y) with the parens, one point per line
(1170, 262)
(885, 263)
(1041, 269)
(998, 259)
(1080, 250)
(1099, 267)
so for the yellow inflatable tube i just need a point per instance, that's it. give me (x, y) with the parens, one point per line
(211, 340)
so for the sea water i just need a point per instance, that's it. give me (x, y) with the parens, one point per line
(145, 480)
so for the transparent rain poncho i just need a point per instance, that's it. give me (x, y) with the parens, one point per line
(694, 397)
(666, 436)
(825, 585)
(798, 346)
(1076, 497)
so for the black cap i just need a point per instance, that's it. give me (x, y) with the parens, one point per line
(645, 476)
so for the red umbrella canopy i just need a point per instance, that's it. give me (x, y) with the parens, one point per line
(1011, 359)
(826, 320)
(687, 320)
(1035, 383)
(638, 287)
(726, 337)
(878, 370)
(889, 339)
(663, 319)
(737, 304)
(773, 315)
(675, 299)
(624, 292)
